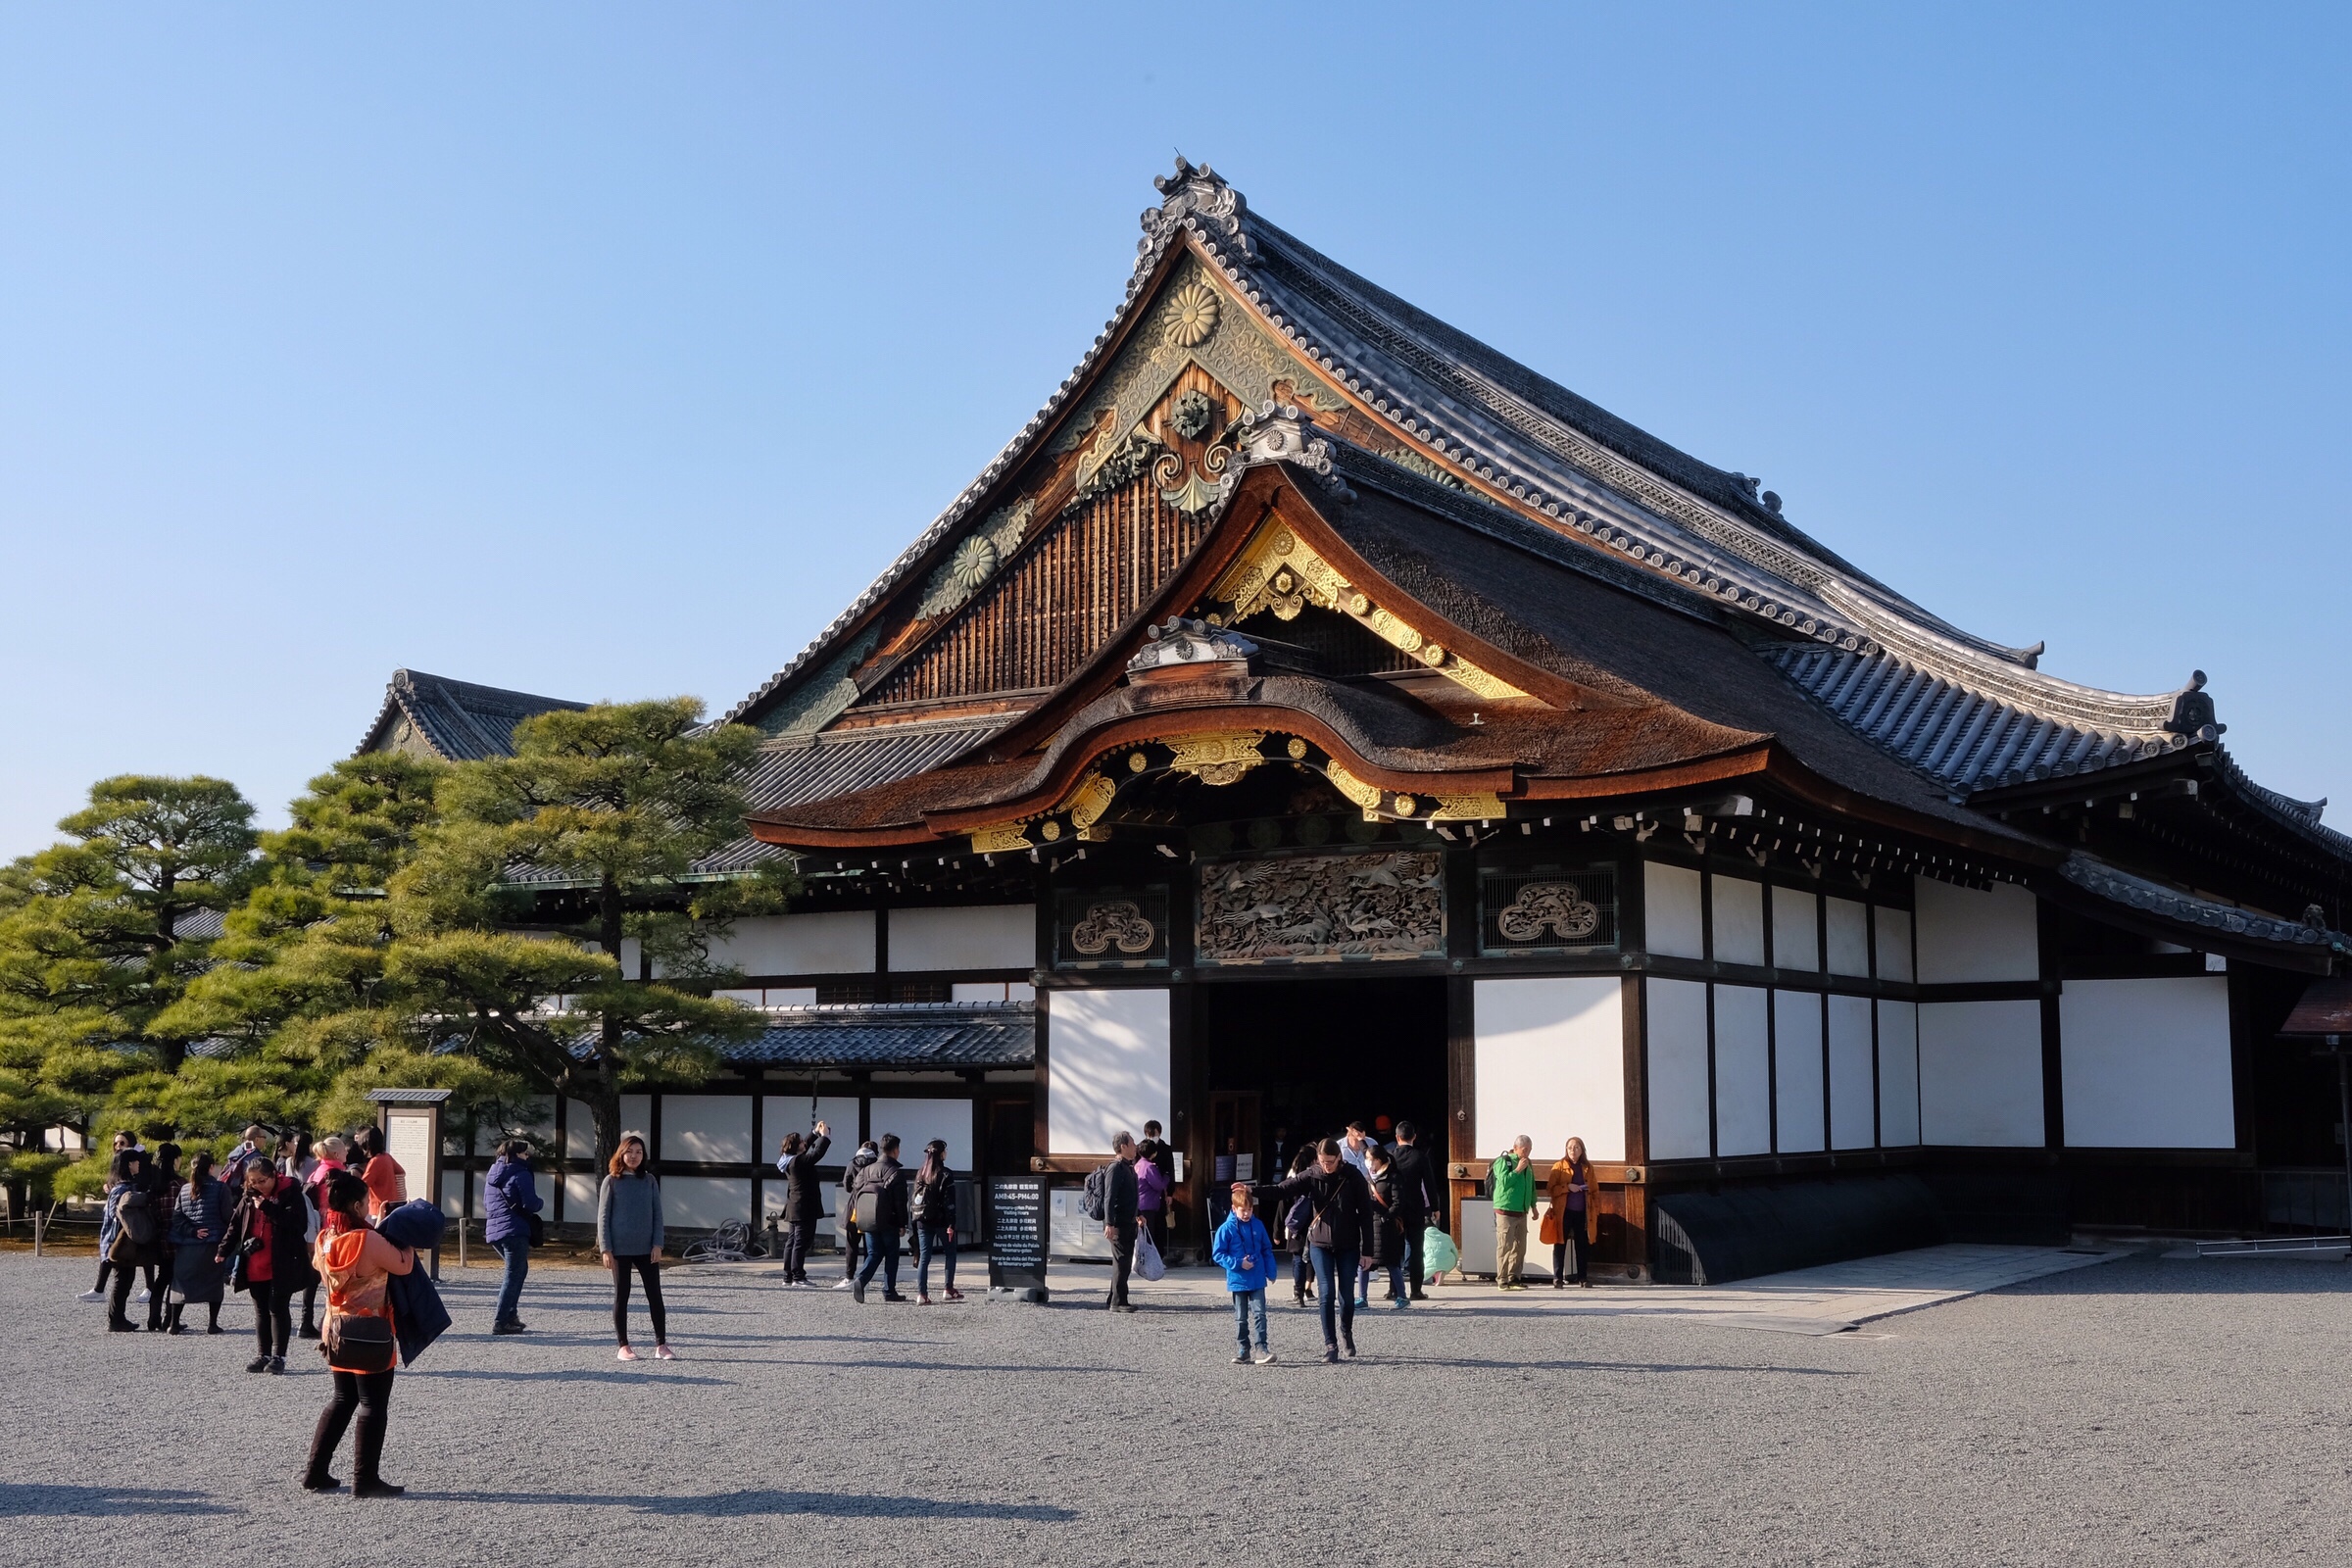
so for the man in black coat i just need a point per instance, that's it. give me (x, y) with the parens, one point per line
(1418, 1197)
(804, 1203)
(885, 1180)
(1119, 1213)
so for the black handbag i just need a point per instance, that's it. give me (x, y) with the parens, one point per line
(357, 1342)
(534, 1228)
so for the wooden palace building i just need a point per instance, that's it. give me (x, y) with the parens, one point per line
(1314, 714)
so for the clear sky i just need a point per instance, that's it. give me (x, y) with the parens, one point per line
(608, 351)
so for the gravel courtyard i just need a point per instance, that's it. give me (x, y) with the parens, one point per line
(2137, 1412)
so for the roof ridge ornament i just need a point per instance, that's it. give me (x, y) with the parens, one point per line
(1281, 432)
(2192, 711)
(1196, 196)
(1183, 642)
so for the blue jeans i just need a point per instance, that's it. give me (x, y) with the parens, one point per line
(882, 1252)
(932, 1239)
(1250, 1307)
(1335, 1291)
(516, 1250)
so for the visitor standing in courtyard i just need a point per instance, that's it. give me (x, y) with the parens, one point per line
(265, 1246)
(138, 1242)
(803, 1198)
(845, 1213)
(1294, 1233)
(935, 1222)
(1247, 1253)
(332, 1154)
(879, 1198)
(510, 1205)
(1119, 1211)
(107, 1223)
(1356, 1149)
(1511, 1182)
(254, 1145)
(167, 1183)
(199, 1220)
(357, 1264)
(386, 1178)
(1567, 1224)
(1339, 1236)
(1158, 1202)
(1387, 1252)
(628, 1237)
(1416, 1185)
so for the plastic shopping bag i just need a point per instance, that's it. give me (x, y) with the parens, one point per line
(1439, 1255)
(1147, 1263)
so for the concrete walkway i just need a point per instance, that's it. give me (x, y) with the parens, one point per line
(1827, 1300)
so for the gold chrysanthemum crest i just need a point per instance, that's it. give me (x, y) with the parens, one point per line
(1192, 315)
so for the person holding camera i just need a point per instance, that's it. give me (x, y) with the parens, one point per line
(356, 1264)
(510, 1205)
(265, 1242)
(804, 1199)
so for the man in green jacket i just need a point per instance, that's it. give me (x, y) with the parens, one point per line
(1512, 1182)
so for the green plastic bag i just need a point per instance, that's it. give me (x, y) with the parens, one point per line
(1437, 1252)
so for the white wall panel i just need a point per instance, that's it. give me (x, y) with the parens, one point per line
(579, 1131)
(1849, 938)
(791, 1113)
(1742, 1070)
(1898, 1074)
(706, 1127)
(1550, 1064)
(1680, 1123)
(1671, 911)
(1739, 920)
(2146, 1063)
(918, 1121)
(1853, 1090)
(1000, 936)
(1965, 934)
(580, 1198)
(1980, 1072)
(1106, 1066)
(637, 1116)
(1796, 1070)
(831, 942)
(704, 1203)
(1795, 929)
(991, 991)
(1894, 947)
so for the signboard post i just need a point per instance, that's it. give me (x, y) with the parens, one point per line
(1017, 1235)
(410, 1121)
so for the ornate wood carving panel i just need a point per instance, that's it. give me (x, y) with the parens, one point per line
(1322, 908)
(1057, 604)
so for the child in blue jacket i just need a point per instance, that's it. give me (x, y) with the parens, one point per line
(1243, 1245)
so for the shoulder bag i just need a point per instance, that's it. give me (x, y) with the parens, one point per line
(358, 1341)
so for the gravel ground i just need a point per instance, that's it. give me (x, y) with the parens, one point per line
(2143, 1411)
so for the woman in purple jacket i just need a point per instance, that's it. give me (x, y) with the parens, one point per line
(510, 1197)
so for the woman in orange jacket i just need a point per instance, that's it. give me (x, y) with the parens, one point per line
(355, 1262)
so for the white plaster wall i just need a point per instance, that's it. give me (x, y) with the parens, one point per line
(1853, 1091)
(918, 1121)
(829, 942)
(1796, 1070)
(708, 1127)
(1680, 1123)
(790, 1114)
(1898, 1074)
(1738, 920)
(2146, 1063)
(1795, 929)
(1000, 936)
(1849, 938)
(1980, 1072)
(991, 991)
(636, 1116)
(1550, 1064)
(1106, 1066)
(1893, 949)
(1969, 935)
(1671, 911)
(580, 1198)
(579, 1124)
(704, 1203)
(1742, 1070)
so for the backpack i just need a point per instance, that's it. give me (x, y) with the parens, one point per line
(1094, 1202)
(135, 1212)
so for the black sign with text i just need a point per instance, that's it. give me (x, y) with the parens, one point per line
(1017, 1232)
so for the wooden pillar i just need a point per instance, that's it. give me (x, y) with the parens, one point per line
(1461, 1090)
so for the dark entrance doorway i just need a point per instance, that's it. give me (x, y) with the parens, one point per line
(1300, 1058)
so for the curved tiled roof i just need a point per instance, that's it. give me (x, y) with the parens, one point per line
(901, 1035)
(458, 720)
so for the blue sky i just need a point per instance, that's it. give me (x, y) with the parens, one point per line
(607, 352)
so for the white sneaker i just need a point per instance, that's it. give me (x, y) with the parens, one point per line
(1265, 1358)
(141, 1297)
(844, 1285)
(91, 1296)
(625, 1354)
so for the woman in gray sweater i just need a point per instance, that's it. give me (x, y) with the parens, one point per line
(628, 1233)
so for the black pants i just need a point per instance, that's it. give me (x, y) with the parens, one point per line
(310, 1305)
(1122, 1263)
(1303, 1269)
(1414, 1226)
(643, 1264)
(370, 1394)
(797, 1237)
(1156, 1223)
(272, 1318)
(1568, 1257)
(159, 1281)
(851, 1236)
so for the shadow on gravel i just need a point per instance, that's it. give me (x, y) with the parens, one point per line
(21, 1500)
(574, 1374)
(731, 1505)
(1481, 1363)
